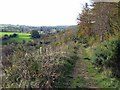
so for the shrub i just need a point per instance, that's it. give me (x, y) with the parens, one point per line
(5, 37)
(35, 34)
(13, 35)
(107, 55)
(30, 68)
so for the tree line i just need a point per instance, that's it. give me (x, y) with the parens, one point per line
(99, 20)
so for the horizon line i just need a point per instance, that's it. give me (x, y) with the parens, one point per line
(37, 25)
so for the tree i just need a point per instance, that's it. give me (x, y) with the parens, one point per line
(85, 23)
(104, 15)
(15, 35)
(98, 20)
(5, 37)
(35, 34)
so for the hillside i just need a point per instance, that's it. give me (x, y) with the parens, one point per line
(86, 56)
(43, 29)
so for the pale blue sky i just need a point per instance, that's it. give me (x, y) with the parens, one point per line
(40, 12)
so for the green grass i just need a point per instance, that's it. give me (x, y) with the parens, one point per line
(21, 36)
(103, 79)
(78, 82)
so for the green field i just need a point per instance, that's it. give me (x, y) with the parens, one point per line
(21, 36)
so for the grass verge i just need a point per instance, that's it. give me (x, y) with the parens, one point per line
(103, 79)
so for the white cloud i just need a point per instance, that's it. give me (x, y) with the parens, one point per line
(40, 12)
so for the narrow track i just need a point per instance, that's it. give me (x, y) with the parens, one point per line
(81, 77)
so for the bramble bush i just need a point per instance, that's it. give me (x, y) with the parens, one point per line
(107, 55)
(31, 67)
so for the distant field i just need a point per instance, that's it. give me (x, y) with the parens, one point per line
(21, 36)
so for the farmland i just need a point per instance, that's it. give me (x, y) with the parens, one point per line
(21, 36)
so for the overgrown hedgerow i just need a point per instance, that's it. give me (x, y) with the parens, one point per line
(107, 55)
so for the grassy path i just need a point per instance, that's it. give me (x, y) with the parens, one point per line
(81, 77)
